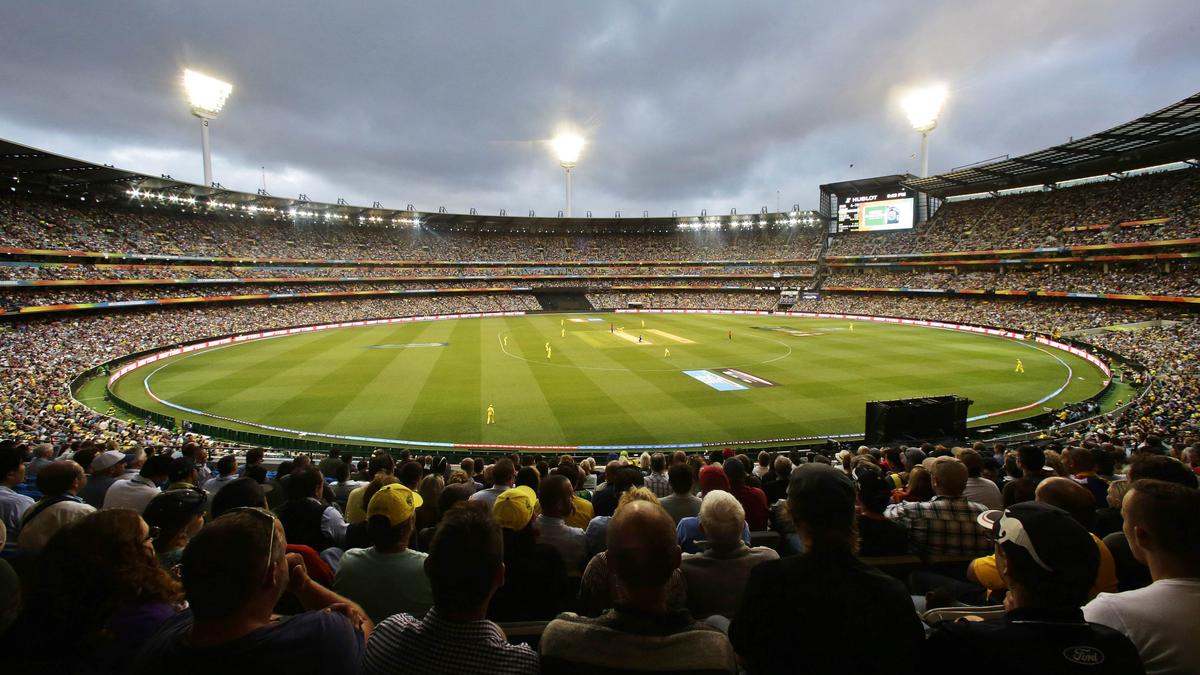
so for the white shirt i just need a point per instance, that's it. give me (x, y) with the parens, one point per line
(333, 525)
(570, 542)
(983, 491)
(36, 533)
(489, 495)
(13, 506)
(1159, 619)
(214, 485)
(134, 493)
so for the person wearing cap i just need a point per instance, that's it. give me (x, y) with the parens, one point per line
(1048, 562)
(1161, 526)
(640, 634)
(60, 505)
(389, 577)
(753, 500)
(814, 600)
(536, 586)
(135, 493)
(107, 467)
(944, 525)
(182, 474)
(178, 515)
(465, 568)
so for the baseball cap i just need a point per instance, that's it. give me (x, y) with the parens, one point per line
(514, 507)
(819, 493)
(1056, 541)
(173, 508)
(396, 501)
(107, 460)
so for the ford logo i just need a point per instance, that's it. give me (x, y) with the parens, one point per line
(1084, 656)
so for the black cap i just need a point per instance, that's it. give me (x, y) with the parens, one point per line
(174, 508)
(819, 493)
(1057, 542)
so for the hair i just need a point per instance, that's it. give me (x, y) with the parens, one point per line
(11, 459)
(764, 459)
(257, 472)
(951, 475)
(465, 553)
(1031, 459)
(304, 482)
(555, 495)
(285, 467)
(430, 489)
(458, 476)
(781, 467)
(254, 456)
(626, 477)
(681, 479)
(637, 494)
(227, 465)
(156, 465)
(920, 484)
(723, 518)
(244, 491)
(1168, 512)
(1158, 467)
(529, 477)
(410, 474)
(341, 472)
(58, 477)
(381, 462)
(826, 530)
(646, 561)
(874, 491)
(224, 564)
(90, 569)
(972, 460)
(503, 471)
(571, 473)
(658, 462)
(384, 535)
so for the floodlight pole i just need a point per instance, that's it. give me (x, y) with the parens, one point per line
(207, 151)
(568, 166)
(925, 153)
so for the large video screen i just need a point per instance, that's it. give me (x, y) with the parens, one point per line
(886, 210)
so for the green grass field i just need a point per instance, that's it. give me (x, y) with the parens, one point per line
(432, 381)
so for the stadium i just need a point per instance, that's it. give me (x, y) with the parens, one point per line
(1027, 321)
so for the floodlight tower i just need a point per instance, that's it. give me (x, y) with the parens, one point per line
(567, 146)
(923, 107)
(206, 95)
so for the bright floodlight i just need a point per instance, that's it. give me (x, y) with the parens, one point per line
(205, 94)
(567, 147)
(923, 107)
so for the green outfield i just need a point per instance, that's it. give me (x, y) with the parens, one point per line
(751, 378)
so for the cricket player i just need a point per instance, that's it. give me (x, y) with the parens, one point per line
(505, 340)
(491, 414)
(548, 352)
(562, 333)
(643, 323)
(666, 352)
(851, 328)
(730, 335)
(640, 338)
(1020, 367)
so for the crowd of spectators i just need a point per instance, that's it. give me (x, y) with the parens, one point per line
(1041, 219)
(1181, 280)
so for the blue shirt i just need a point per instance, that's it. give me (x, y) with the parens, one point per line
(688, 531)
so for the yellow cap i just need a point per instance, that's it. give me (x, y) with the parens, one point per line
(514, 507)
(395, 501)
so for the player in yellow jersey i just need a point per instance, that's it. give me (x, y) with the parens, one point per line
(851, 328)
(562, 333)
(1020, 367)
(548, 352)
(666, 352)
(491, 414)
(505, 340)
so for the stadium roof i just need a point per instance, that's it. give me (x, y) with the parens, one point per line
(45, 172)
(1168, 135)
(864, 185)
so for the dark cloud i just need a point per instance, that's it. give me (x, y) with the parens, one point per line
(689, 105)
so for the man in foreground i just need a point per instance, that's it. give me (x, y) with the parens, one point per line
(465, 567)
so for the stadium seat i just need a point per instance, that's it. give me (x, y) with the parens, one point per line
(941, 614)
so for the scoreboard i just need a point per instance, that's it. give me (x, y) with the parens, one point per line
(892, 208)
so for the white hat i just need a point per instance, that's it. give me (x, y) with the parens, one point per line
(107, 460)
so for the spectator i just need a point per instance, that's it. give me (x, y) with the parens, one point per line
(529, 477)
(465, 568)
(657, 480)
(623, 485)
(13, 505)
(1048, 566)
(979, 489)
(107, 467)
(182, 474)
(877, 535)
(381, 464)
(604, 499)
(43, 456)
(1031, 461)
(135, 493)
(535, 587)
(1082, 466)
(583, 511)
(60, 505)
(716, 578)
(234, 572)
(555, 496)
(944, 525)
(764, 465)
(96, 596)
(754, 500)
(641, 634)
(1108, 518)
(430, 489)
(305, 517)
(176, 515)
(389, 577)
(712, 477)
(1164, 534)
(824, 593)
(681, 503)
(226, 473)
(503, 473)
(329, 465)
(775, 483)
(254, 457)
(1132, 573)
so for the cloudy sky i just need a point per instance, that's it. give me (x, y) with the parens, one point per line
(688, 104)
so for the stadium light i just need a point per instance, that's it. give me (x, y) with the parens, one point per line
(922, 106)
(206, 95)
(567, 147)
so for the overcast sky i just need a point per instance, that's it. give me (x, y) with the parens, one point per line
(687, 104)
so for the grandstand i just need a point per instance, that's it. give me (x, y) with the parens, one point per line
(1089, 248)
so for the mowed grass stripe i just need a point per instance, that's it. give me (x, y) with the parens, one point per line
(444, 404)
(501, 376)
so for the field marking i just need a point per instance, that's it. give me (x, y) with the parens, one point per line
(500, 340)
(626, 336)
(669, 336)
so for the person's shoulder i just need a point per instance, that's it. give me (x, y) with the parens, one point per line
(328, 628)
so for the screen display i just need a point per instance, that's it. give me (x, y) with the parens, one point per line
(886, 210)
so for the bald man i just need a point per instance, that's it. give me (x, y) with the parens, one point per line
(945, 525)
(642, 634)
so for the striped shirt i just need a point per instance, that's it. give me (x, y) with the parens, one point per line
(659, 484)
(403, 643)
(943, 526)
